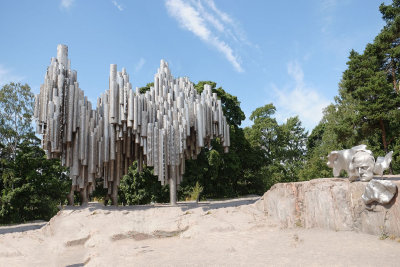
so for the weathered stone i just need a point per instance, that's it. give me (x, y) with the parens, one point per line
(331, 203)
(381, 191)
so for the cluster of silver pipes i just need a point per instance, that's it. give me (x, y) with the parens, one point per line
(162, 127)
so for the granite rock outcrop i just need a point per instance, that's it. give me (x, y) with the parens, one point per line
(331, 203)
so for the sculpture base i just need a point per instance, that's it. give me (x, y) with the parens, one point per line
(331, 203)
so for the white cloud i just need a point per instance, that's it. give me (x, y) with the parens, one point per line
(215, 22)
(117, 5)
(299, 99)
(234, 30)
(328, 5)
(210, 28)
(295, 71)
(7, 76)
(140, 64)
(66, 3)
(225, 17)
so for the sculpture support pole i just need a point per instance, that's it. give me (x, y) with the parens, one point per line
(70, 197)
(172, 191)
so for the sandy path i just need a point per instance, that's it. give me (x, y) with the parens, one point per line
(262, 247)
(229, 233)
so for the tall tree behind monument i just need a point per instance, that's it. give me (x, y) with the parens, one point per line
(31, 187)
(367, 109)
(16, 108)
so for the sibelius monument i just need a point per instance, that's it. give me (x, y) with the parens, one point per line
(161, 127)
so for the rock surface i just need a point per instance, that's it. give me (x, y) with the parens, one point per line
(331, 203)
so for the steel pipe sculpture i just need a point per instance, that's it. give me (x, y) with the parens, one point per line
(161, 128)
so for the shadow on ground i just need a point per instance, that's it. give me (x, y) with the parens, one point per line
(21, 227)
(184, 206)
(187, 205)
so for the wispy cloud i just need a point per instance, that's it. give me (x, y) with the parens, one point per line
(117, 5)
(327, 10)
(299, 98)
(66, 4)
(326, 5)
(140, 64)
(7, 76)
(234, 30)
(210, 24)
(333, 39)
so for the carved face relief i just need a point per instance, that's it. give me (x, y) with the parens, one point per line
(363, 163)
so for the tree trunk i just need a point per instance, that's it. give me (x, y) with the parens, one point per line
(396, 88)
(385, 145)
(382, 126)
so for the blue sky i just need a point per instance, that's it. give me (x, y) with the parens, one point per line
(290, 53)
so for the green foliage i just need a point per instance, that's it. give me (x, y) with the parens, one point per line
(282, 147)
(33, 186)
(146, 88)
(16, 105)
(258, 157)
(230, 104)
(314, 140)
(367, 109)
(369, 88)
(195, 192)
(142, 188)
(225, 174)
(390, 12)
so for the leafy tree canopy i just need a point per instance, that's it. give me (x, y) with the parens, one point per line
(31, 187)
(16, 106)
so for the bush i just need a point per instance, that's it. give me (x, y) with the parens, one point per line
(142, 188)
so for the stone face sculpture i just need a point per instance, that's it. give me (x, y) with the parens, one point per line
(358, 162)
(381, 191)
(161, 127)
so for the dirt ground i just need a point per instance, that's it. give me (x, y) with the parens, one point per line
(215, 233)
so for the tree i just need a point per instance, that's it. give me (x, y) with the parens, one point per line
(282, 146)
(224, 174)
(146, 88)
(375, 101)
(293, 148)
(367, 109)
(31, 186)
(264, 132)
(142, 188)
(230, 104)
(219, 174)
(16, 106)
(388, 42)
(319, 143)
